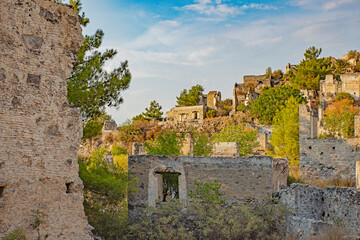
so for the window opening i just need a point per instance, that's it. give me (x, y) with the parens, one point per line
(169, 189)
(69, 187)
(2, 189)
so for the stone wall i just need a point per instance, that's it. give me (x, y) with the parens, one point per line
(240, 177)
(225, 149)
(212, 99)
(324, 159)
(313, 208)
(187, 113)
(39, 133)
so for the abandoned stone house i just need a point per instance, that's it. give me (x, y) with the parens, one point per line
(39, 132)
(240, 177)
(109, 126)
(197, 112)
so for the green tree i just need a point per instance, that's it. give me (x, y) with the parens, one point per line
(90, 87)
(153, 112)
(202, 144)
(285, 134)
(339, 118)
(246, 138)
(308, 73)
(168, 143)
(271, 100)
(191, 97)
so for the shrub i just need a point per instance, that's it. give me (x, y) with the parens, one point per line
(205, 216)
(121, 161)
(17, 234)
(202, 144)
(339, 118)
(210, 113)
(106, 187)
(344, 95)
(117, 150)
(92, 129)
(241, 107)
(246, 138)
(168, 143)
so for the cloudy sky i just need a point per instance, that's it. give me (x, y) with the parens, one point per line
(175, 44)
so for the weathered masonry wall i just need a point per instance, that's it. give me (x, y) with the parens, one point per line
(187, 113)
(39, 133)
(240, 177)
(313, 208)
(323, 159)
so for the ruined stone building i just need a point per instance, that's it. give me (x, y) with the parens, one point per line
(197, 112)
(239, 177)
(290, 68)
(323, 159)
(39, 132)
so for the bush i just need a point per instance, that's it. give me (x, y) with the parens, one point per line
(205, 216)
(117, 150)
(106, 188)
(246, 138)
(241, 107)
(92, 129)
(168, 143)
(17, 234)
(202, 144)
(344, 95)
(210, 113)
(339, 118)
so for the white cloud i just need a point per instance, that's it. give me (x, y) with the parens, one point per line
(321, 4)
(217, 8)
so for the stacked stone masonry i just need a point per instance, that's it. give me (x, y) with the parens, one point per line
(315, 208)
(240, 177)
(324, 159)
(39, 132)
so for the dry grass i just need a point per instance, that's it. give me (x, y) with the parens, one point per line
(336, 181)
(332, 233)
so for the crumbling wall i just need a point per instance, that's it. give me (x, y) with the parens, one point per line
(225, 149)
(313, 208)
(240, 178)
(324, 159)
(39, 132)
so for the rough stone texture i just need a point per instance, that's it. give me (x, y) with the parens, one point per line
(323, 159)
(187, 113)
(39, 133)
(313, 208)
(225, 149)
(240, 177)
(358, 175)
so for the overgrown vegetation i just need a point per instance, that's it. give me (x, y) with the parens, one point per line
(205, 216)
(339, 118)
(168, 143)
(285, 135)
(106, 187)
(245, 137)
(272, 100)
(202, 144)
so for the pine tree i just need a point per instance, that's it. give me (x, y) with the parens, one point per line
(153, 112)
(190, 98)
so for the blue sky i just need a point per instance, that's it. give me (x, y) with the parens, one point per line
(172, 45)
